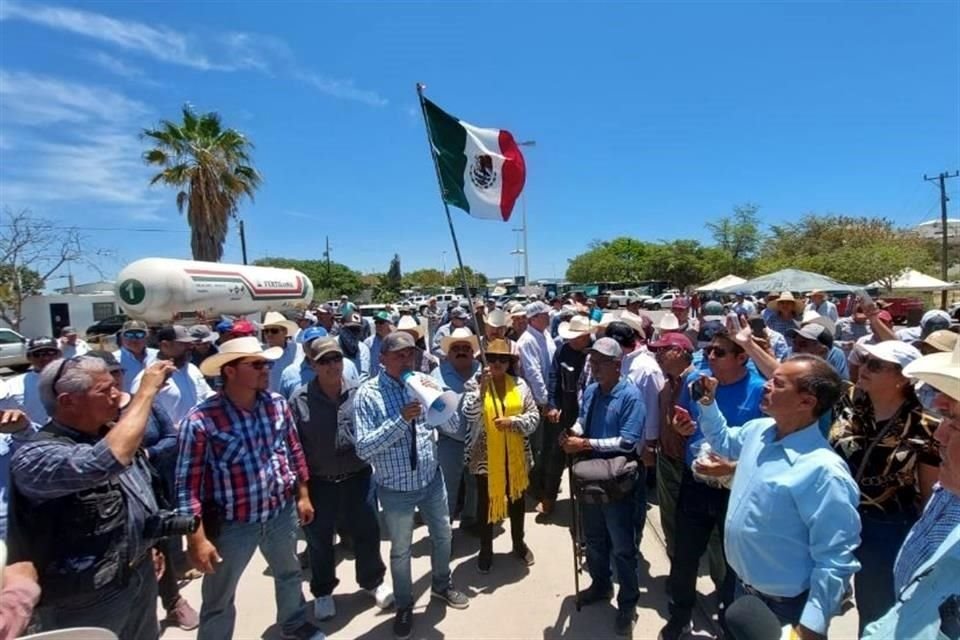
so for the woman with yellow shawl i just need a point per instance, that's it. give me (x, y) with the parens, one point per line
(501, 414)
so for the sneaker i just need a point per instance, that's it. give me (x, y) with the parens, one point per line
(593, 594)
(324, 608)
(525, 555)
(306, 631)
(382, 595)
(484, 562)
(183, 615)
(403, 623)
(623, 626)
(674, 630)
(452, 597)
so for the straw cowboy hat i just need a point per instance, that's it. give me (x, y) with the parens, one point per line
(407, 323)
(277, 319)
(578, 326)
(496, 319)
(499, 347)
(939, 370)
(786, 296)
(635, 321)
(235, 350)
(461, 334)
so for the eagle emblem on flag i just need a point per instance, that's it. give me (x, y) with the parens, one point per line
(482, 173)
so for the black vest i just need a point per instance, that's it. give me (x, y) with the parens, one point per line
(77, 542)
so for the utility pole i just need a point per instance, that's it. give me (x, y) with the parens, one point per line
(942, 179)
(243, 243)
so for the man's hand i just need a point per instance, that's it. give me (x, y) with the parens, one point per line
(155, 376)
(22, 570)
(485, 377)
(203, 555)
(682, 422)
(159, 563)
(411, 411)
(709, 389)
(553, 415)
(743, 337)
(305, 510)
(503, 424)
(574, 444)
(13, 421)
(714, 466)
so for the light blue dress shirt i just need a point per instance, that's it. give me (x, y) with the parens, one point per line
(132, 366)
(792, 523)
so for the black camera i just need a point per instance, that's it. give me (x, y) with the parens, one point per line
(164, 524)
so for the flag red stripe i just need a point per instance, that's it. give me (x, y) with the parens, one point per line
(514, 174)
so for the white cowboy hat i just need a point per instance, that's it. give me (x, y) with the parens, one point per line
(812, 317)
(234, 350)
(610, 316)
(277, 319)
(578, 326)
(635, 321)
(407, 323)
(669, 322)
(939, 370)
(496, 319)
(460, 335)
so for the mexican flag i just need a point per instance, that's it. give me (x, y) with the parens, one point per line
(481, 170)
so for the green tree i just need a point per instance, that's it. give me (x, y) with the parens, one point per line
(393, 281)
(622, 259)
(856, 250)
(680, 262)
(211, 168)
(341, 280)
(738, 239)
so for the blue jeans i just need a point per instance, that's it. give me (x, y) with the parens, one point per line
(611, 528)
(450, 457)
(354, 503)
(880, 540)
(277, 539)
(398, 508)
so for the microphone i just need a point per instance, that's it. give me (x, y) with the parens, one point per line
(749, 618)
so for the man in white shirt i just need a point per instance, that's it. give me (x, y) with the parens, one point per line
(186, 387)
(23, 389)
(818, 302)
(70, 344)
(135, 356)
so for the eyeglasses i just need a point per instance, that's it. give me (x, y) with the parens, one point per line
(876, 365)
(259, 365)
(44, 353)
(330, 358)
(274, 330)
(135, 334)
(717, 352)
(499, 357)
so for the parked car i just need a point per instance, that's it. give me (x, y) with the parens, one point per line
(661, 301)
(108, 326)
(623, 296)
(13, 350)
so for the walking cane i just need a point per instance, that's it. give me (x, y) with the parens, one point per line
(575, 532)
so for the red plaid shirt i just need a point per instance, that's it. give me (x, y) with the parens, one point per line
(248, 462)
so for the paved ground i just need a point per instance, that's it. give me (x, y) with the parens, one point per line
(511, 602)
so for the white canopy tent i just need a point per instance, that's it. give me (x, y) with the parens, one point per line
(913, 280)
(726, 281)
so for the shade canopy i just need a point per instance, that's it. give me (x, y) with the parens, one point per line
(720, 284)
(914, 281)
(792, 280)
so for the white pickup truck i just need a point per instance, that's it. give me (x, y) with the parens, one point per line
(622, 296)
(13, 350)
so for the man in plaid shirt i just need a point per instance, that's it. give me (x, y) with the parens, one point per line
(241, 468)
(393, 437)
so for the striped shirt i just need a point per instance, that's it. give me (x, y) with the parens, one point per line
(248, 462)
(386, 440)
(939, 519)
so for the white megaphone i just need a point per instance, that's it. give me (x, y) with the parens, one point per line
(438, 404)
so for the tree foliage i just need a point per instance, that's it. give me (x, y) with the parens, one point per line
(211, 168)
(342, 279)
(434, 278)
(738, 238)
(393, 280)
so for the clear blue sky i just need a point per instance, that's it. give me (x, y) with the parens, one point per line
(650, 119)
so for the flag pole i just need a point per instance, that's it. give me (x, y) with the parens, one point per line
(453, 233)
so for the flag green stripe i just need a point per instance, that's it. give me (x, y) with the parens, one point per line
(449, 140)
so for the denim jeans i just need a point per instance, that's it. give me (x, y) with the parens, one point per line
(450, 457)
(880, 540)
(611, 528)
(129, 611)
(277, 540)
(398, 508)
(353, 504)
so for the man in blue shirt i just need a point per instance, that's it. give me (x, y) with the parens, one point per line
(610, 424)
(702, 501)
(382, 327)
(792, 523)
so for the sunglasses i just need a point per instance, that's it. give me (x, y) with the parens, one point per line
(44, 353)
(329, 359)
(718, 352)
(135, 334)
(876, 365)
(62, 369)
(499, 357)
(274, 330)
(259, 365)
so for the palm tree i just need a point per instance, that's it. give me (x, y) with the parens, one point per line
(211, 167)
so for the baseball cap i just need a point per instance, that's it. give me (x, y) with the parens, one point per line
(134, 325)
(68, 331)
(459, 313)
(677, 340)
(243, 328)
(202, 333)
(42, 344)
(885, 318)
(933, 320)
(607, 347)
(322, 346)
(893, 351)
(708, 330)
(312, 333)
(381, 316)
(397, 341)
(325, 308)
(352, 319)
(713, 309)
(680, 303)
(174, 333)
(814, 331)
(225, 325)
(536, 308)
(942, 340)
(108, 359)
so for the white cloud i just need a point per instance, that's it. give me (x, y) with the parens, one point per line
(118, 67)
(224, 51)
(31, 99)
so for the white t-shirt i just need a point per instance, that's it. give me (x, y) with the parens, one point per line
(73, 350)
(185, 389)
(24, 392)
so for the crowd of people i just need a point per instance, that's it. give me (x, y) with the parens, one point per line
(812, 459)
